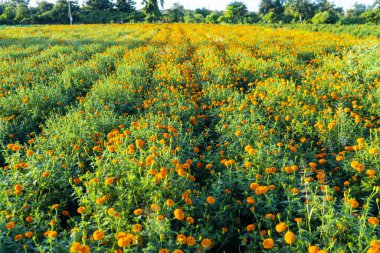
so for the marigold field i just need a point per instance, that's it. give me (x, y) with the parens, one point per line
(188, 138)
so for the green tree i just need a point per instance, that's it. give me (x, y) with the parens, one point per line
(176, 13)
(236, 12)
(275, 6)
(21, 14)
(303, 9)
(151, 10)
(372, 16)
(325, 17)
(59, 13)
(44, 6)
(9, 14)
(203, 11)
(98, 5)
(213, 17)
(127, 6)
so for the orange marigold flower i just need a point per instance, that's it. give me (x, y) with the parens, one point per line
(268, 243)
(18, 188)
(137, 228)
(373, 220)
(251, 201)
(206, 243)
(138, 212)
(124, 241)
(313, 249)
(75, 247)
(169, 202)
(181, 238)
(190, 241)
(178, 214)
(81, 209)
(18, 237)
(210, 200)
(251, 227)
(28, 234)
(10, 225)
(353, 203)
(190, 220)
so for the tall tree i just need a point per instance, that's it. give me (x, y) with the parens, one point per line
(98, 5)
(275, 6)
(236, 12)
(125, 5)
(44, 6)
(176, 13)
(21, 12)
(151, 10)
(304, 9)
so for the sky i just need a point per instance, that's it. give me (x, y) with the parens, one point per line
(253, 5)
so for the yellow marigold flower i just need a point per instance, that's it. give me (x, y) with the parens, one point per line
(373, 151)
(281, 227)
(109, 180)
(289, 237)
(98, 235)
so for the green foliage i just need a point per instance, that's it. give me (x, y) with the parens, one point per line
(236, 12)
(151, 10)
(99, 5)
(372, 16)
(326, 17)
(175, 14)
(212, 18)
(126, 6)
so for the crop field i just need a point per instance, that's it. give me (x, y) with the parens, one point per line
(188, 138)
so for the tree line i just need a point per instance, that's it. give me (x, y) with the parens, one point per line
(120, 11)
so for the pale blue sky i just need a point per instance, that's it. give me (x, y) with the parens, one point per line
(221, 4)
